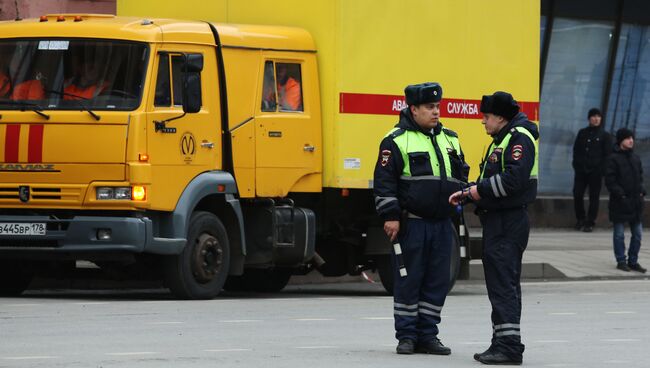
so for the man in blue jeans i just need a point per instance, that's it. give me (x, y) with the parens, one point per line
(624, 180)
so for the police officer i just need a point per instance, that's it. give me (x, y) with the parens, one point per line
(506, 185)
(420, 164)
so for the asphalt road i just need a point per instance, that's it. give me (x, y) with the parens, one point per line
(565, 324)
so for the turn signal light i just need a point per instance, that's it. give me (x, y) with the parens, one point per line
(78, 18)
(43, 18)
(60, 18)
(143, 157)
(139, 193)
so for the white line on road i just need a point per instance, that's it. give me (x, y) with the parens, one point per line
(620, 312)
(591, 294)
(167, 323)
(560, 365)
(377, 318)
(90, 303)
(620, 340)
(21, 305)
(30, 357)
(134, 353)
(312, 319)
(474, 343)
(225, 350)
(551, 341)
(618, 361)
(562, 314)
(317, 347)
(240, 320)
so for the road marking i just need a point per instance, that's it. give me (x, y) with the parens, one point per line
(225, 350)
(474, 343)
(133, 353)
(316, 347)
(620, 312)
(90, 303)
(21, 305)
(167, 323)
(618, 361)
(377, 318)
(30, 357)
(312, 319)
(562, 314)
(591, 294)
(560, 365)
(240, 320)
(551, 341)
(641, 292)
(620, 340)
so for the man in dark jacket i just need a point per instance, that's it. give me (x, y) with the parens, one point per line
(505, 187)
(590, 151)
(624, 180)
(420, 164)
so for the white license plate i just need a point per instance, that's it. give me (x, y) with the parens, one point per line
(7, 228)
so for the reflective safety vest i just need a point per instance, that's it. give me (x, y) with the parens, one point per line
(414, 142)
(504, 144)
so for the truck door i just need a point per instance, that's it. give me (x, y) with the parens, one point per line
(288, 139)
(187, 144)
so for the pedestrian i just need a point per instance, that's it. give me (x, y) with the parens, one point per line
(506, 185)
(420, 164)
(624, 180)
(590, 150)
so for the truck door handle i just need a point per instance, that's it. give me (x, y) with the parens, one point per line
(308, 148)
(207, 144)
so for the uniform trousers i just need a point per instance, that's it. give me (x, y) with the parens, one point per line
(505, 237)
(420, 296)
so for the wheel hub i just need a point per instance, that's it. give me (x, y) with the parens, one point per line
(207, 258)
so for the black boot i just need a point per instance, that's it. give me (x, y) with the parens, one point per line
(405, 346)
(498, 358)
(477, 355)
(623, 266)
(432, 347)
(636, 267)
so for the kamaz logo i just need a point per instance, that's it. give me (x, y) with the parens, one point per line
(27, 167)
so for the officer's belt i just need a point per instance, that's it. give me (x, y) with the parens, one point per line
(481, 212)
(430, 177)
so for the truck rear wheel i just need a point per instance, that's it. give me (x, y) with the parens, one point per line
(385, 269)
(200, 271)
(15, 277)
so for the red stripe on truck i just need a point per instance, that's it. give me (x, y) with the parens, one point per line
(12, 137)
(373, 104)
(35, 146)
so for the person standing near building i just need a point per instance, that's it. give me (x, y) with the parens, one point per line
(624, 180)
(590, 150)
(420, 164)
(506, 185)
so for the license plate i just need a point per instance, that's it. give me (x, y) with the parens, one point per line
(22, 228)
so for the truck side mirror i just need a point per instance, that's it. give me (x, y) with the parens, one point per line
(192, 83)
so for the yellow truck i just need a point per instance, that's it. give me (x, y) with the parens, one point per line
(220, 153)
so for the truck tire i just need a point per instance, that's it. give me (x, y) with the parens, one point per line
(200, 271)
(14, 278)
(385, 269)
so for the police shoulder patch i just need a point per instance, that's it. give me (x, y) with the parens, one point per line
(517, 152)
(385, 156)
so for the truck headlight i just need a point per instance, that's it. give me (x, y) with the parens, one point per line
(120, 193)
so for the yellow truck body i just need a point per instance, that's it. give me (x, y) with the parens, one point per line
(175, 158)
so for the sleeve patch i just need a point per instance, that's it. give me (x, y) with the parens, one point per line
(517, 152)
(385, 156)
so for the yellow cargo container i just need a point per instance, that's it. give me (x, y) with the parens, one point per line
(139, 140)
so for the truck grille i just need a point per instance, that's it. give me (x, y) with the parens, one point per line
(41, 194)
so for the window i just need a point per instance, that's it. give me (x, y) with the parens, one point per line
(64, 74)
(165, 92)
(629, 101)
(574, 80)
(163, 97)
(282, 90)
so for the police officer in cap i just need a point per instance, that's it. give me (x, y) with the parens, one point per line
(420, 164)
(506, 185)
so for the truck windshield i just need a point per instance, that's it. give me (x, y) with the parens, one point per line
(58, 74)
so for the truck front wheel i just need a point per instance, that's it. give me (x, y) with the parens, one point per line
(200, 271)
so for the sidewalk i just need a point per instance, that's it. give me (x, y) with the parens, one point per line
(581, 255)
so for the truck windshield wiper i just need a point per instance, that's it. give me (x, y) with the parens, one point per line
(80, 100)
(26, 106)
